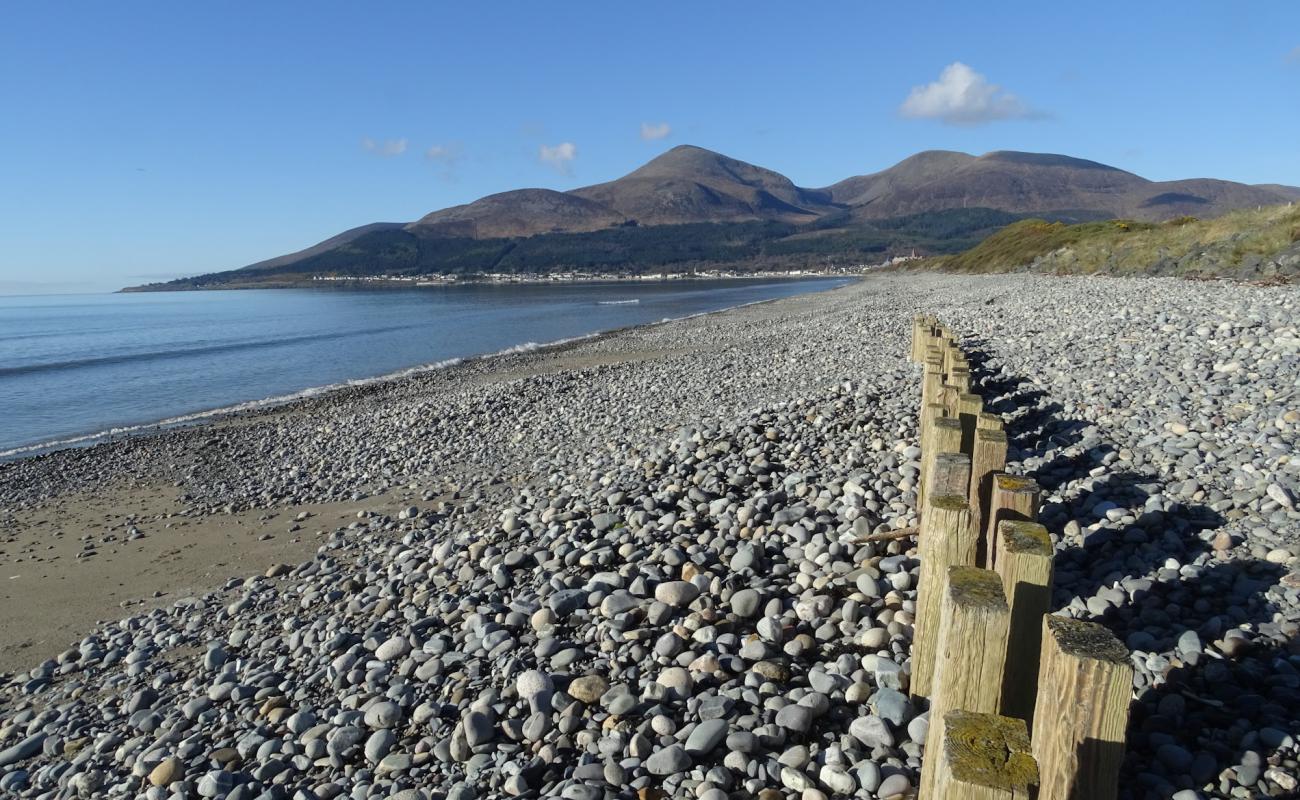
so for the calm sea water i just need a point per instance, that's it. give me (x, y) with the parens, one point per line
(74, 368)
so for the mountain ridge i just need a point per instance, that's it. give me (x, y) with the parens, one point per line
(689, 186)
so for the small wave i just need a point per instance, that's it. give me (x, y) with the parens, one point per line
(631, 302)
(251, 405)
(268, 402)
(182, 352)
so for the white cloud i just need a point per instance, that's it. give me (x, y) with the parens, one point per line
(386, 148)
(560, 156)
(650, 132)
(962, 96)
(444, 152)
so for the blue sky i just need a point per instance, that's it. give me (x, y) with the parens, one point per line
(144, 140)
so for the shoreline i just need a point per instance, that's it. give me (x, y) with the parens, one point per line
(216, 415)
(531, 279)
(669, 513)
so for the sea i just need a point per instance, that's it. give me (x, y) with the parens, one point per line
(79, 369)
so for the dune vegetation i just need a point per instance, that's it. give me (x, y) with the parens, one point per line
(1264, 242)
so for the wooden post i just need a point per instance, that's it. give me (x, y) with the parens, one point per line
(940, 546)
(988, 458)
(932, 381)
(949, 475)
(918, 338)
(949, 398)
(1024, 562)
(984, 757)
(1012, 497)
(1085, 681)
(972, 650)
(929, 413)
(959, 376)
(944, 437)
(969, 407)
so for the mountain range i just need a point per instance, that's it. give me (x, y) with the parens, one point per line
(691, 206)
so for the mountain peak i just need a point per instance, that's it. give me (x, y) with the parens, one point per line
(1045, 160)
(692, 184)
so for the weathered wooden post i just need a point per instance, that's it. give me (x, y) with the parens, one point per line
(932, 380)
(1012, 497)
(959, 376)
(940, 545)
(1024, 562)
(1084, 685)
(944, 436)
(949, 475)
(988, 458)
(972, 647)
(918, 338)
(984, 757)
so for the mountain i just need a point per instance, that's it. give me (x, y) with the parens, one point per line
(329, 244)
(1291, 192)
(690, 207)
(523, 212)
(1036, 183)
(690, 184)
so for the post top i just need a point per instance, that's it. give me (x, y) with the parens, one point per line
(1016, 483)
(1020, 536)
(973, 586)
(1086, 640)
(989, 750)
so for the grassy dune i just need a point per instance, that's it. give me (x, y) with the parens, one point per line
(1260, 243)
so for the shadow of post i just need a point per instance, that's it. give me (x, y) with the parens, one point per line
(1216, 684)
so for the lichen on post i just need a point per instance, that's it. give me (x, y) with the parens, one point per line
(974, 621)
(984, 757)
(1012, 497)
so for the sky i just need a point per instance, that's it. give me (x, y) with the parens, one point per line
(144, 141)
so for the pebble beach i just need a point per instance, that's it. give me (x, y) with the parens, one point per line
(632, 566)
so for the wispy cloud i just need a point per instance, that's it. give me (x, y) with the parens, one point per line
(560, 156)
(387, 148)
(653, 131)
(447, 157)
(963, 96)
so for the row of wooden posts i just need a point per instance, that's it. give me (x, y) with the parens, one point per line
(1018, 698)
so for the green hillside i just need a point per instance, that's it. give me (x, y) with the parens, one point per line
(1260, 243)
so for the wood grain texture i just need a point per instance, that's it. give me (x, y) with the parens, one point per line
(1011, 497)
(1084, 686)
(988, 458)
(950, 474)
(939, 547)
(1024, 562)
(974, 621)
